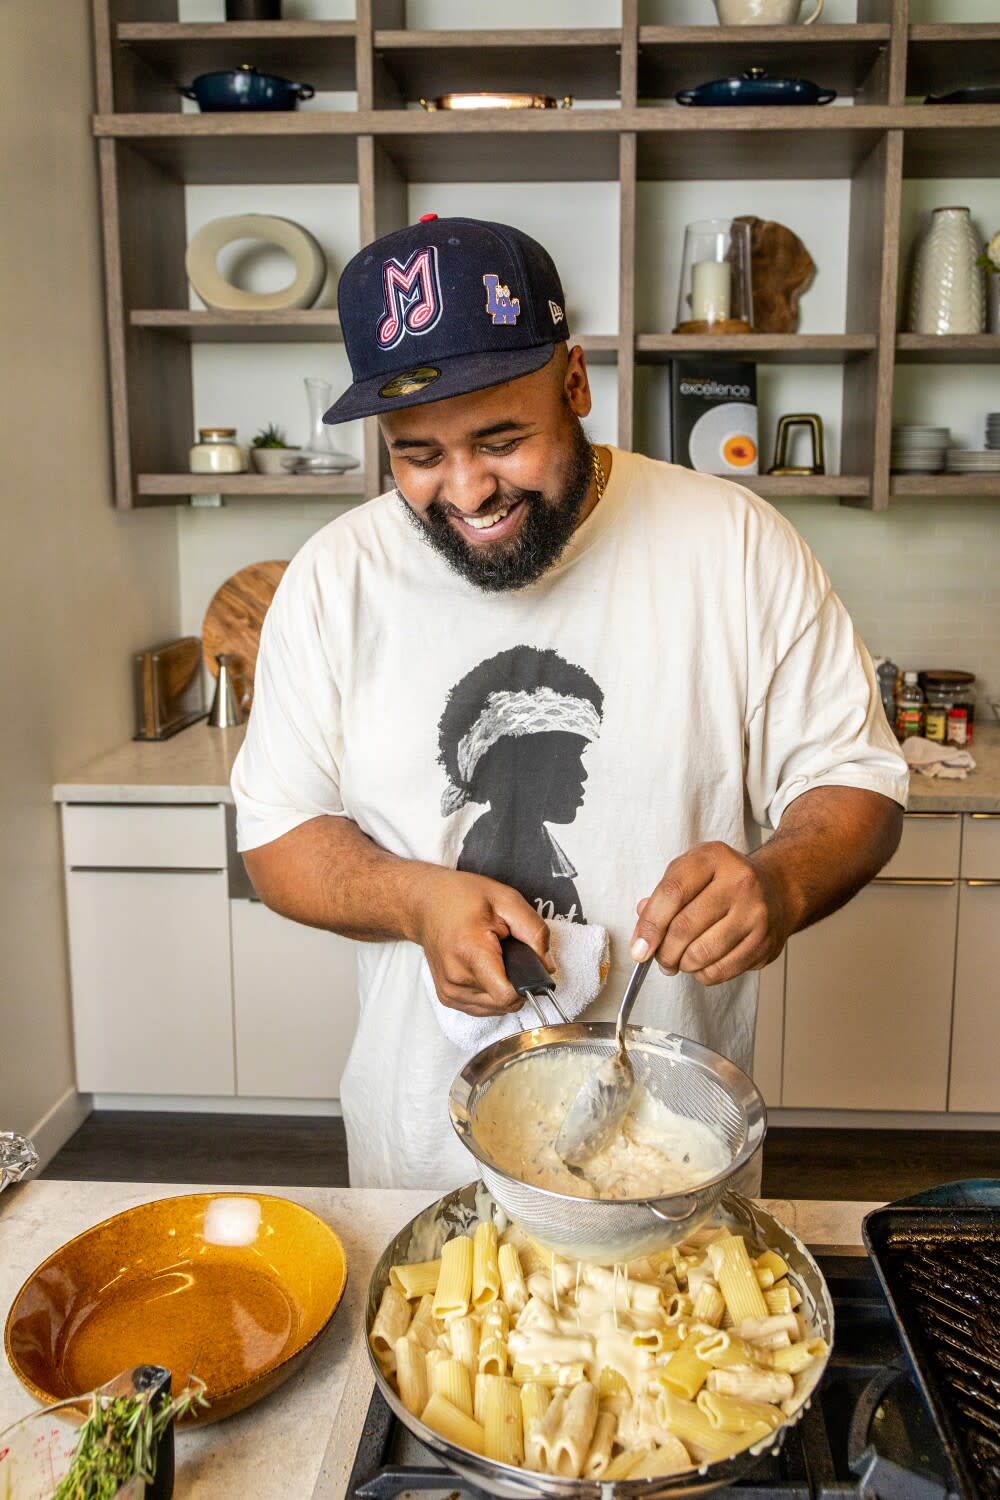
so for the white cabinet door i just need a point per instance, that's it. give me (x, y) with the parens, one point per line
(152, 992)
(868, 997)
(296, 1003)
(770, 1032)
(975, 1043)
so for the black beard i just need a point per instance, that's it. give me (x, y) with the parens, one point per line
(544, 532)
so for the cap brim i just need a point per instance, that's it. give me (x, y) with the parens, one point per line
(456, 376)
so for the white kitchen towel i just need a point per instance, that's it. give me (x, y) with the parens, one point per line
(582, 953)
(949, 762)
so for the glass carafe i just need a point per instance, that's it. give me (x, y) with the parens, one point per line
(320, 455)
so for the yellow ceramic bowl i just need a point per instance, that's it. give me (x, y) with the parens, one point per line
(234, 1286)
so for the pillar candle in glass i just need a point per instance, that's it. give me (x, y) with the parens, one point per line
(715, 290)
(710, 290)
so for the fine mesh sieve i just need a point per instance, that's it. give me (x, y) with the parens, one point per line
(685, 1077)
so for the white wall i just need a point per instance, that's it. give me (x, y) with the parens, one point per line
(83, 586)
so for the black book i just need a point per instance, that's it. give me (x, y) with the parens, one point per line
(713, 415)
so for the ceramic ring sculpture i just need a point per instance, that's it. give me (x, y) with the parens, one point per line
(219, 294)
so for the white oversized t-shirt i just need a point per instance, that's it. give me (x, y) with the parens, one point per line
(681, 674)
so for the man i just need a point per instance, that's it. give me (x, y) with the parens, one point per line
(444, 668)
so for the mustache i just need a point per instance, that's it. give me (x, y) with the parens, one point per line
(503, 495)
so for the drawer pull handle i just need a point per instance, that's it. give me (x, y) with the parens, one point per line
(982, 882)
(986, 817)
(942, 816)
(910, 880)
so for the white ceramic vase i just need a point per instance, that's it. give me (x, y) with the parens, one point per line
(947, 293)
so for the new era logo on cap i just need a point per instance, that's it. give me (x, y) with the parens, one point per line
(478, 303)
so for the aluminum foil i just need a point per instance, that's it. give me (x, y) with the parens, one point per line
(18, 1157)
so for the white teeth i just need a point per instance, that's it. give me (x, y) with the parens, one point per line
(481, 522)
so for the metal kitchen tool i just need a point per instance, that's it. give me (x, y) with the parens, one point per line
(937, 1255)
(225, 712)
(785, 424)
(604, 1099)
(458, 1213)
(530, 977)
(687, 1078)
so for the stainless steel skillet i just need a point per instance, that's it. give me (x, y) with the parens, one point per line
(458, 1212)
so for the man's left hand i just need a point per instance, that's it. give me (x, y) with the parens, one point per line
(715, 914)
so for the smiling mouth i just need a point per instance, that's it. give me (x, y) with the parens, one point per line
(495, 525)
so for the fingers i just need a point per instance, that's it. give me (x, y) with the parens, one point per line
(709, 917)
(524, 922)
(724, 951)
(682, 881)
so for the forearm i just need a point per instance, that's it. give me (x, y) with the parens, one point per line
(830, 842)
(327, 873)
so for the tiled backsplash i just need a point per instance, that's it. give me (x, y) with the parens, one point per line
(921, 581)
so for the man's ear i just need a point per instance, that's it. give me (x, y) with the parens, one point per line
(576, 383)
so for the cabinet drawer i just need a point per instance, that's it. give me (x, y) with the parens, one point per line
(930, 847)
(144, 838)
(981, 846)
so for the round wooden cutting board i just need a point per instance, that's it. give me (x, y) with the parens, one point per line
(234, 618)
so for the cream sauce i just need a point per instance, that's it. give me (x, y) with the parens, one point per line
(657, 1151)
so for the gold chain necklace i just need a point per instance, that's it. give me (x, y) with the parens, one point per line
(598, 474)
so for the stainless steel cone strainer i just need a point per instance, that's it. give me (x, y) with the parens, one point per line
(685, 1077)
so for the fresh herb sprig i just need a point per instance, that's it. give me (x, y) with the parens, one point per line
(118, 1441)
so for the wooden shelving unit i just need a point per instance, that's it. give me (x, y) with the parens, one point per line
(628, 130)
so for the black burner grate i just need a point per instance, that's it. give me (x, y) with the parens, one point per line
(949, 1286)
(866, 1434)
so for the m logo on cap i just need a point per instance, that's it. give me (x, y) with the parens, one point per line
(413, 302)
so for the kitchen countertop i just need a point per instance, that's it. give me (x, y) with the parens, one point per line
(192, 766)
(297, 1444)
(195, 765)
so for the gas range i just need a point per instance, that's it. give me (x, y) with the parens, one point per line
(867, 1432)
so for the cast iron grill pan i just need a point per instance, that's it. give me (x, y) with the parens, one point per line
(938, 1257)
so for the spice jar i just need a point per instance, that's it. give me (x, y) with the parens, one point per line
(958, 725)
(936, 721)
(218, 452)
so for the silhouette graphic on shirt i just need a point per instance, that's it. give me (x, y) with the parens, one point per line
(512, 736)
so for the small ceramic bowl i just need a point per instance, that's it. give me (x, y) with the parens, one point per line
(235, 1287)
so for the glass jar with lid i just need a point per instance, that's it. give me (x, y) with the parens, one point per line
(218, 452)
(945, 690)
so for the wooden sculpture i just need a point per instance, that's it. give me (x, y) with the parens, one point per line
(781, 269)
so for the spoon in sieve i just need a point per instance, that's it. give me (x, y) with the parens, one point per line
(603, 1100)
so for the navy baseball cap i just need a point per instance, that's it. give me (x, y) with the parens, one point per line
(445, 307)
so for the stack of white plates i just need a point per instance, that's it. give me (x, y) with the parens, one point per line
(973, 461)
(919, 450)
(993, 429)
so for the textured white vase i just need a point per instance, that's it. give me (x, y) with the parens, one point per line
(947, 294)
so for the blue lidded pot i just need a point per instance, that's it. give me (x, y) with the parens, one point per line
(245, 88)
(756, 88)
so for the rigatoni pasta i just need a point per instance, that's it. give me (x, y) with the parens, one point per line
(675, 1361)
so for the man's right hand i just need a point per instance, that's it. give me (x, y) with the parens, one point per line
(459, 920)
